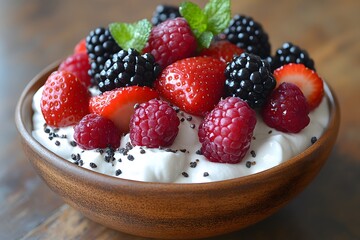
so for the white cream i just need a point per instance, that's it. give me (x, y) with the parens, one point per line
(271, 148)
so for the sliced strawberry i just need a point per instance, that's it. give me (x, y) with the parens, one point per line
(306, 79)
(195, 84)
(118, 104)
(222, 50)
(64, 100)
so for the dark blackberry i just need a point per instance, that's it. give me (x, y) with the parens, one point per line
(248, 35)
(100, 47)
(290, 53)
(128, 68)
(249, 78)
(164, 12)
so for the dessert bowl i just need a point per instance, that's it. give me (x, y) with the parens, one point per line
(173, 210)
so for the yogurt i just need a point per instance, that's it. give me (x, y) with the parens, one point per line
(182, 162)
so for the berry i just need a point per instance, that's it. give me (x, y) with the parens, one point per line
(77, 64)
(290, 53)
(154, 124)
(118, 104)
(80, 47)
(64, 100)
(100, 47)
(248, 35)
(163, 13)
(286, 109)
(94, 131)
(193, 84)
(222, 50)
(249, 78)
(170, 41)
(306, 79)
(226, 132)
(128, 68)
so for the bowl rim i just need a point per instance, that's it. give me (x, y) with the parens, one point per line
(93, 177)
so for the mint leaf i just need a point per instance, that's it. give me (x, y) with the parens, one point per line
(195, 16)
(131, 35)
(208, 22)
(218, 14)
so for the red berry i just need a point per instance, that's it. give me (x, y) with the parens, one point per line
(80, 46)
(170, 41)
(77, 64)
(94, 131)
(118, 104)
(306, 79)
(222, 50)
(226, 132)
(193, 84)
(64, 100)
(286, 109)
(154, 124)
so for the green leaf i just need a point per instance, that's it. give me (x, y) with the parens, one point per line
(195, 16)
(131, 35)
(218, 14)
(205, 39)
(208, 22)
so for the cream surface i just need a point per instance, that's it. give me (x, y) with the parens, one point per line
(181, 162)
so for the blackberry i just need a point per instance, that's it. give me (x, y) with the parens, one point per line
(128, 68)
(164, 12)
(290, 53)
(248, 35)
(100, 46)
(249, 78)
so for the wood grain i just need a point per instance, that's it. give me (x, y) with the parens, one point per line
(35, 33)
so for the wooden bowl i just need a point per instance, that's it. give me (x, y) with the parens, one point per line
(169, 210)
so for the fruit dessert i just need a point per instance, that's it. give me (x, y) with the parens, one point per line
(192, 96)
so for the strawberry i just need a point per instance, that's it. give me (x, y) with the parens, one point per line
(118, 104)
(64, 100)
(223, 50)
(306, 79)
(77, 64)
(193, 84)
(80, 47)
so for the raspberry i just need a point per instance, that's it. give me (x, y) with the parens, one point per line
(80, 46)
(77, 64)
(128, 68)
(154, 124)
(249, 35)
(94, 131)
(226, 132)
(249, 78)
(163, 13)
(170, 41)
(286, 109)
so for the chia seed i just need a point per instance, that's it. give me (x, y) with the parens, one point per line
(313, 140)
(253, 154)
(270, 132)
(47, 130)
(189, 118)
(248, 164)
(93, 165)
(118, 172)
(57, 143)
(142, 151)
(185, 174)
(182, 119)
(206, 174)
(182, 150)
(130, 157)
(192, 126)
(73, 143)
(193, 164)
(198, 152)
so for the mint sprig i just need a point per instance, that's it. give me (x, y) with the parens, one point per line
(131, 35)
(208, 22)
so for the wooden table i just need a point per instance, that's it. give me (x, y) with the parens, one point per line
(36, 33)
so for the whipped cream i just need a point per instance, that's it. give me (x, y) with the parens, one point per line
(182, 162)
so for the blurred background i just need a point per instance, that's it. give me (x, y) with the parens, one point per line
(35, 33)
